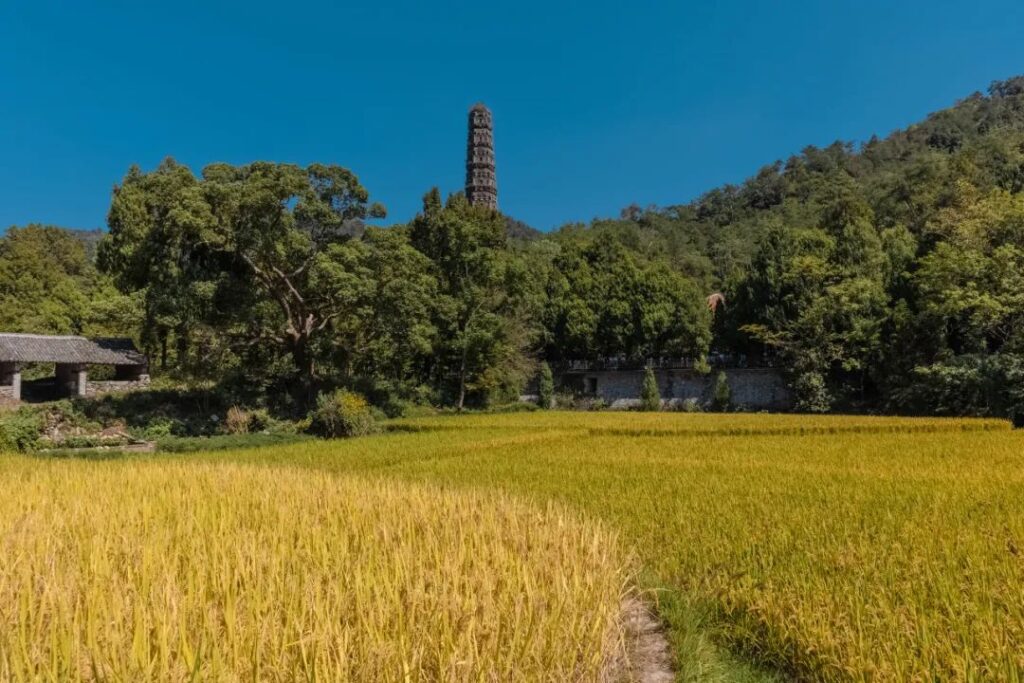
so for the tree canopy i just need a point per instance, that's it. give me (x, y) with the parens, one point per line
(882, 276)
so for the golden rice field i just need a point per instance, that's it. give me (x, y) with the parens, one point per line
(174, 571)
(775, 547)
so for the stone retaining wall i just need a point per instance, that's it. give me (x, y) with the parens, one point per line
(101, 388)
(750, 388)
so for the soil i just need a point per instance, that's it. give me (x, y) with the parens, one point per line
(648, 655)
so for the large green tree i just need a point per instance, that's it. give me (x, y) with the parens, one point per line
(249, 249)
(482, 313)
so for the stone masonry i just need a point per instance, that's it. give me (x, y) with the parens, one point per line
(750, 388)
(481, 179)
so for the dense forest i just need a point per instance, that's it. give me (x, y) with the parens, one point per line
(885, 276)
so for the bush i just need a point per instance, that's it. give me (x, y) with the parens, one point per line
(20, 430)
(342, 414)
(546, 388)
(688, 405)
(650, 398)
(721, 395)
(237, 421)
(812, 395)
(564, 399)
(261, 421)
(985, 385)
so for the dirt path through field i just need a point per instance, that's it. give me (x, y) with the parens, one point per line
(649, 656)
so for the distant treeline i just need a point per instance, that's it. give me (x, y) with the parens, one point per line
(888, 277)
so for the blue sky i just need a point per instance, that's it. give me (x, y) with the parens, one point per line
(597, 104)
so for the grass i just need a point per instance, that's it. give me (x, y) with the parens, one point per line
(221, 442)
(826, 548)
(173, 571)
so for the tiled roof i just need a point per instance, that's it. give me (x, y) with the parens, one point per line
(39, 348)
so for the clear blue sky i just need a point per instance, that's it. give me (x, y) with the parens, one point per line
(597, 104)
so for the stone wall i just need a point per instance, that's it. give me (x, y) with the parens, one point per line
(751, 389)
(101, 388)
(6, 392)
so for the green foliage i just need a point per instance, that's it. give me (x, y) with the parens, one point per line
(485, 304)
(605, 299)
(721, 394)
(976, 384)
(689, 405)
(20, 430)
(259, 251)
(812, 395)
(224, 442)
(546, 388)
(342, 413)
(650, 397)
(873, 275)
(48, 285)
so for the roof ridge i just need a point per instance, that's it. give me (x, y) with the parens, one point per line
(32, 335)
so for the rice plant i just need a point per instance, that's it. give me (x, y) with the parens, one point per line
(172, 571)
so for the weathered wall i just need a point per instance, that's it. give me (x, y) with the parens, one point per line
(101, 388)
(751, 389)
(10, 382)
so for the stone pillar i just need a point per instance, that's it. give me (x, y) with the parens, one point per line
(10, 376)
(71, 379)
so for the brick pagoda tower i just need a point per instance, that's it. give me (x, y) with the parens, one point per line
(481, 181)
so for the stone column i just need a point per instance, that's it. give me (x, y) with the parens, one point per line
(10, 376)
(71, 379)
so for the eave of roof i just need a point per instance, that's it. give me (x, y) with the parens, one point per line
(38, 348)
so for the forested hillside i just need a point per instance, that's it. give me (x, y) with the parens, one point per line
(885, 276)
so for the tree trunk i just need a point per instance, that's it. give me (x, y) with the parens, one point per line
(304, 363)
(462, 378)
(163, 349)
(181, 345)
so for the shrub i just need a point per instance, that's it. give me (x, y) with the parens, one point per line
(237, 421)
(260, 421)
(688, 405)
(650, 398)
(564, 399)
(812, 395)
(20, 430)
(721, 395)
(341, 414)
(546, 388)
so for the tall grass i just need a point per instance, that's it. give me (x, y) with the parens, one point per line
(172, 571)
